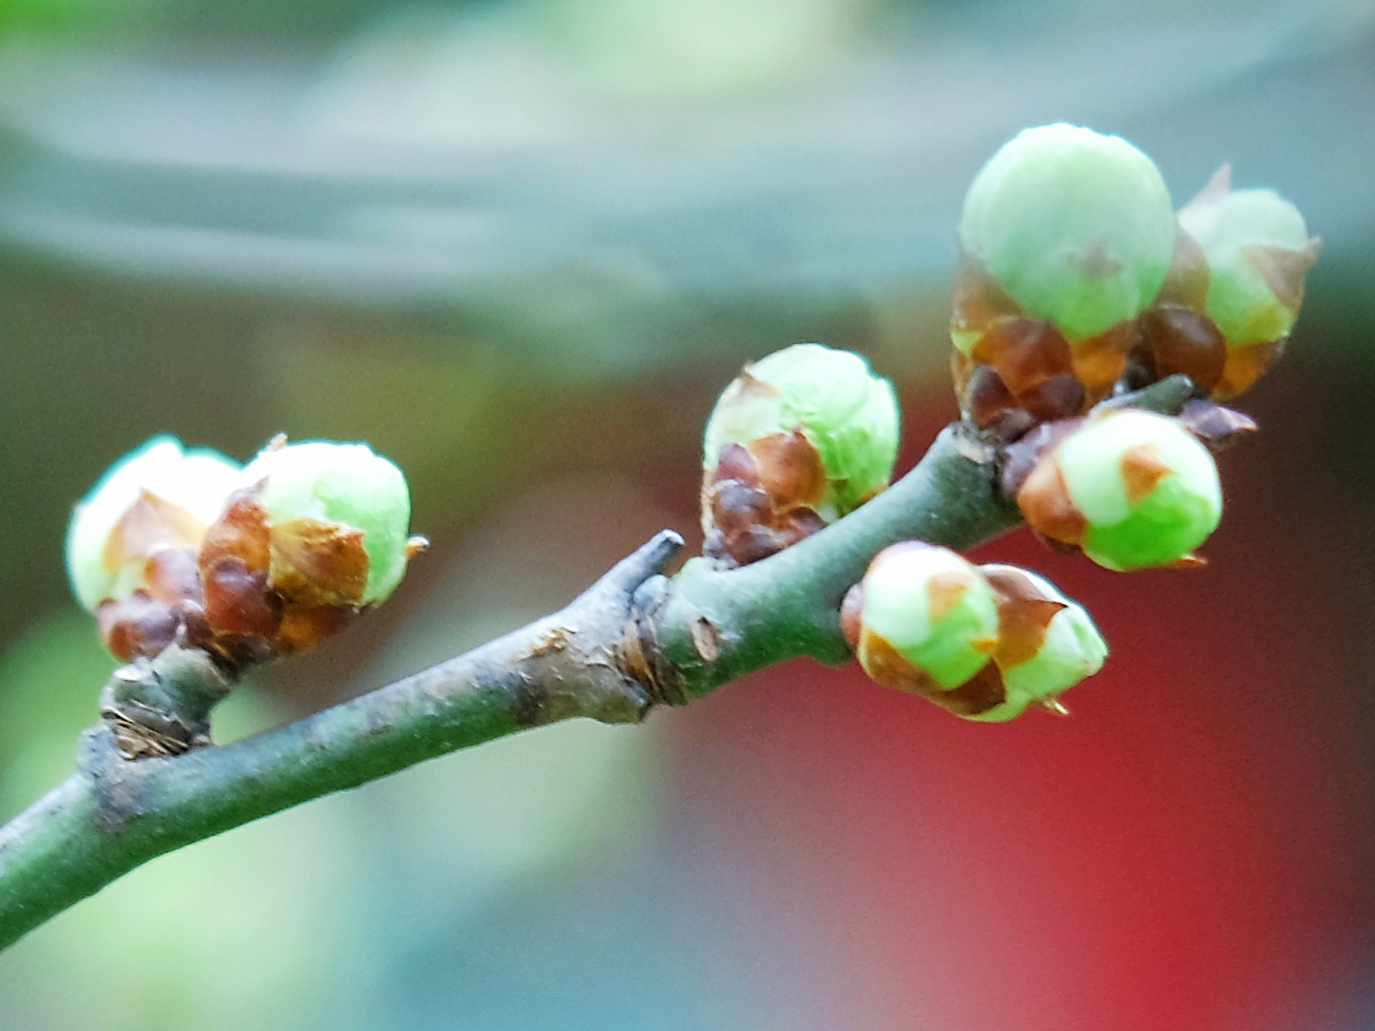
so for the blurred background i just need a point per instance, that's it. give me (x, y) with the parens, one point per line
(519, 245)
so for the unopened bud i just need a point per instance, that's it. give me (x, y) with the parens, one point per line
(923, 620)
(1046, 642)
(156, 499)
(1131, 488)
(1067, 236)
(1257, 252)
(1074, 226)
(796, 441)
(339, 516)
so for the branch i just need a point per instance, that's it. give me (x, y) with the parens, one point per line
(633, 640)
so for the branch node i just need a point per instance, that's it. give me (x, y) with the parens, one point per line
(161, 707)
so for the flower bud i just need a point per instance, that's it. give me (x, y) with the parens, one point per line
(1256, 251)
(1067, 236)
(316, 533)
(338, 515)
(1074, 226)
(1046, 642)
(924, 621)
(797, 440)
(158, 498)
(1131, 488)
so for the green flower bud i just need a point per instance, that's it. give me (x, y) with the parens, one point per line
(1131, 488)
(1258, 252)
(338, 518)
(926, 607)
(156, 498)
(797, 440)
(1075, 227)
(1046, 642)
(848, 414)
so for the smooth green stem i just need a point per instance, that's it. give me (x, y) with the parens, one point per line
(714, 626)
(634, 639)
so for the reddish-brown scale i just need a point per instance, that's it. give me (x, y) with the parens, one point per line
(746, 521)
(137, 625)
(1179, 340)
(1142, 470)
(986, 398)
(1046, 503)
(172, 575)
(883, 663)
(149, 525)
(1100, 360)
(735, 463)
(304, 627)
(1244, 366)
(751, 388)
(750, 544)
(801, 522)
(984, 691)
(318, 564)
(238, 600)
(1023, 616)
(241, 531)
(789, 468)
(1058, 397)
(1023, 455)
(1024, 352)
(1216, 426)
(734, 506)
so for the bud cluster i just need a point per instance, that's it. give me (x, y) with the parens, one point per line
(244, 563)
(1078, 277)
(983, 642)
(797, 440)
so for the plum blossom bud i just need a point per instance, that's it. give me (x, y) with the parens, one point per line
(923, 620)
(244, 564)
(1241, 264)
(1074, 226)
(982, 642)
(132, 543)
(341, 492)
(154, 498)
(1131, 488)
(1046, 642)
(797, 440)
(316, 533)
(1067, 237)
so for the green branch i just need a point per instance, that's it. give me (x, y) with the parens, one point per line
(633, 640)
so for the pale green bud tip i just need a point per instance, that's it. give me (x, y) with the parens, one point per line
(933, 608)
(345, 484)
(1047, 643)
(845, 411)
(1075, 226)
(190, 489)
(1147, 489)
(1258, 252)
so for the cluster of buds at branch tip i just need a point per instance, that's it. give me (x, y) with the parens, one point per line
(797, 440)
(983, 642)
(1079, 281)
(1131, 489)
(243, 563)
